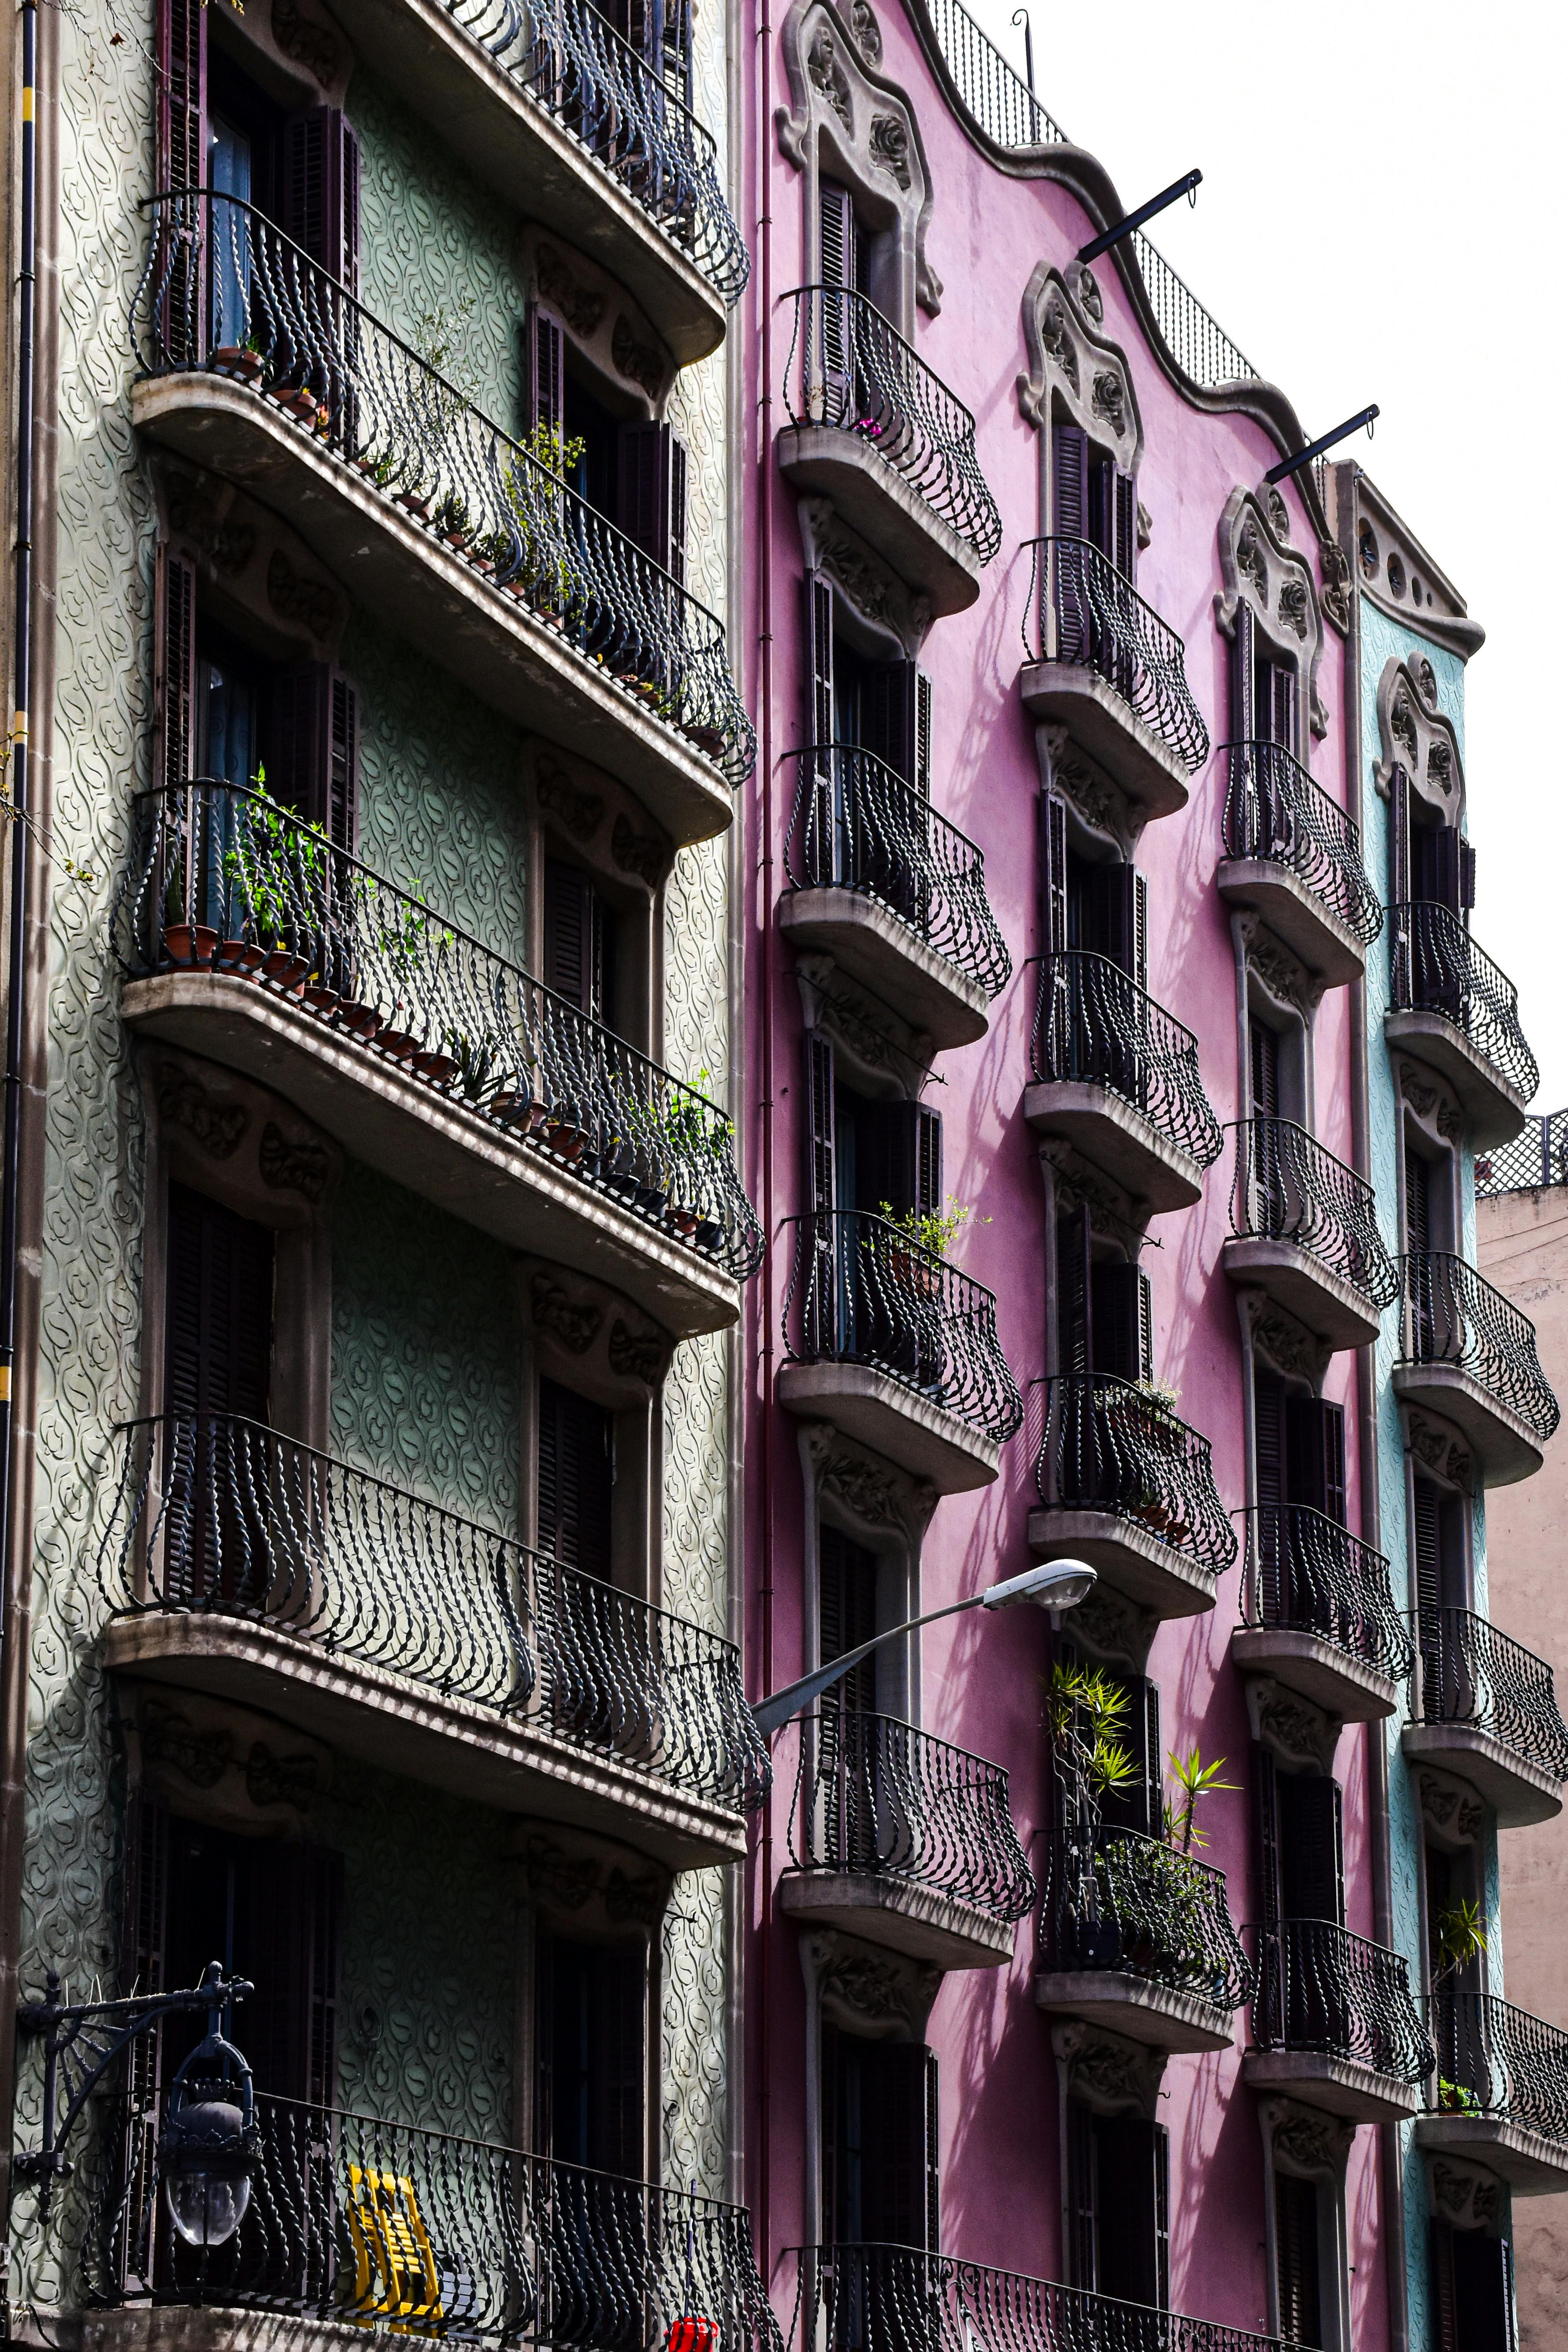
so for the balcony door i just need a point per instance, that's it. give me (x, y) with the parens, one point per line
(1439, 1539)
(1299, 1450)
(1094, 529)
(879, 2149)
(1472, 2277)
(1118, 2178)
(1104, 1335)
(590, 2051)
(888, 1173)
(1302, 2234)
(217, 1360)
(1301, 1831)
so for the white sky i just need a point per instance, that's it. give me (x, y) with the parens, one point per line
(1383, 218)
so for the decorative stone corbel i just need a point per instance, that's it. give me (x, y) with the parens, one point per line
(603, 826)
(1293, 1351)
(249, 562)
(1076, 1185)
(212, 1761)
(1099, 805)
(887, 1057)
(1465, 2196)
(1260, 567)
(1113, 1629)
(871, 1496)
(894, 617)
(608, 330)
(1453, 1813)
(1305, 2141)
(1439, 1449)
(1106, 2072)
(1434, 1103)
(592, 1885)
(590, 1338)
(1300, 1736)
(1281, 975)
(883, 1995)
(1417, 737)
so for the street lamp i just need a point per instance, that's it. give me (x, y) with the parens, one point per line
(1052, 1584)
(207, 2152)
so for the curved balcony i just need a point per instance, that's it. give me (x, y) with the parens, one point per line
(895, 1346)
(1117, 1077)
(1103, 661)
(244, 936)
(1335, 2024)
(1453, 1009)
(1318, 1614)
(900, 2299)
(1138, 1937)
(1127, 1486)
(1502, 2094)
(570, 126)
(1484, 1707)
(1292, 854)
(367, 2224)
(1304, 1231)
(242, 1563)
(1534, 1162)
(906, 1841)
(892, 892)
(1467, 1352)
(257, 364)
(873, 428)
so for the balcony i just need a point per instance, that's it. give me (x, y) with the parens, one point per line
(898, 2299)
(1139, 1938)
(873, 429)
(244, 936)
(896, 1347)
(1293, 855)
(243, 1564)
(366, 2223)
(1304, 1231)
(1502, 2093)
(571, 127)
(1467, 1352)
(1335, 2024)
(1103, 661)
(258, 366)
(1484, 1707)
(1130, 1488)
(905, 1840)
(891, 891)
(1113, 1075)
(1318, 1615)
(1455, 1011)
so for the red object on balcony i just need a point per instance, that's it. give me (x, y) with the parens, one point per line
(691, 2335)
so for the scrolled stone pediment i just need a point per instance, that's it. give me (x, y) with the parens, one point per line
(883, 1995)
(1300, 1735)
(1416, 736)
(893, 617)
(872, 1497)
(1260, 568)
(1076, 370)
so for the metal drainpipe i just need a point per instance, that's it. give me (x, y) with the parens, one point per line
(15, 1623)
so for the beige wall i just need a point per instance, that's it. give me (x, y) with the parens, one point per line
(1522, 1247)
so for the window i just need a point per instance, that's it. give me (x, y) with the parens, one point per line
(879, 2142)
(1120, 2186)
(218, 1327)
(1473, 2290)
(576, 1471)
(1092, 499)
(1300, 1448)
(1104, 1308)
(590, 2051)
(630, 469)
(846, 1576)
(1297, 2259)
(580, 941)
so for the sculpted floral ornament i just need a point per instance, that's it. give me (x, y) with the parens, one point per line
(890, 147)
(869, 1490)
(1418, 738)
(1334, 565)
(1111, 2075)
(1453, 1813)
(828, 76)
(879, 1993)
(1300, 1735)
(1306, 2141)
(1074, 371)
(1286, 1344)
(1260, 568)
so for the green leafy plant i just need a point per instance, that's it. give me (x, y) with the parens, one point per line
(1459, 1937)
(1454, 2099)
(1194, 1780)
(1085, 1715)
(930, 1229)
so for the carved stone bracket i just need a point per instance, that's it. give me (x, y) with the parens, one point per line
(1293, 1351)
(845, 117)
(1301, 1736)
(250, 562)
(1260, 568)
(1099, 806)
(1434, 1104)
(888, 1057)
(225, 1765)
(1075, 373)
(591, 1884)
(603, 826)
(599, 316)
(590, 1337)
(1106, 2072)
(1306, 2142)
(873, 1498)
(1334, 565)
(1440, 1450)
(1113, 1629)
(896, 617)
(1280, 974)
(1453, 1813)
(238, 1141)
(1076, 1185)
(1417, 737)
(882, 1995)
(1465, 2196)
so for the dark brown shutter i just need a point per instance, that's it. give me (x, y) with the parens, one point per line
(832, 2150)
(1427, 1502)
(895, 2142)
(920, 776)
(1268, 1436)
(620, 2059)
(1129, 2164)
(1443, 2298)
(578, 940)
(846, 1615)
(288, 1914)
(898, 1159)
(1282, 705)
(1126, 526)
(1467, 876)
(1437, 864)
(1082, 2186)
(1482, 2292)
(1315, 1455)
(545, 379)
(1266, 1803)
(836, 216)
(312, 749)
(219, 1332)
(179, 38)
(1055, 845)
(1120, 1317)
(576, 1479)
(1118, 914)
(1295, 2259)
(1103, 505)
(175, 668)
(1070, 482)
(1243, 676)
(819, 632)
(1417, 1203)
(1074, 1292)
(822, 1174)
(1312, 1847)
(1399, 837)
(1139, 1805)
(320, 191)
(1265, 1045)
(650, 494)
(896, 725)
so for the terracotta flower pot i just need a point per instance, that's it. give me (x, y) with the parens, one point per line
(398, 1044)
(285, 970)
(322, 1000)
(300, 404)
(683, 1220)
(361, 1021)
(234, 360)
(567, 1142)
(190, 942)
(436, 1068)
(240, 957)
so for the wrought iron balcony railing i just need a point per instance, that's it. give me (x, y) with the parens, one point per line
(571, 61)
(863, 1291)
(1437, 967)
(1083, 612)
(218, 1517)
(1321, 1988)
(857, 374)
(1532, 1162)
(1288, 1188)
(1121, 1901)
(874, 1797)
(1494, 2060)
(856, 825)
(1472, 1674)
(371, 2223)
(1111, 1445)
(221, 878)
(1452, 1314)
(1274, 810)
(1307, 1574)
(226, 291)
(900, 2299)
(1094, 1025)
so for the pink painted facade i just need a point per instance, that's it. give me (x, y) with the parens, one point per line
(981, 1678)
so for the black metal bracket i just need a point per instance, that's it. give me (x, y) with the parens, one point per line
(1367, 416)
(82, 2040)
(1187, 185)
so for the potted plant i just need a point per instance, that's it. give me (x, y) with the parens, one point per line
(452, 519)
(928, 1234)
(243, 360)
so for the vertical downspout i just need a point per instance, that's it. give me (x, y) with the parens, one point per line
(14, 1552)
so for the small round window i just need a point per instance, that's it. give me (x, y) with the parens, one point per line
(1396, 575)
(1369, 555)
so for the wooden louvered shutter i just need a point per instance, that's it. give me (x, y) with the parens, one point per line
(313, 749)
(1265, 1807)
(846, 1616)
(1082, 2187)
(1282, 706)
(1054, 846)
(920, 771)
(321, 191)
(1399, 837)
(181, 82)
(1120, 921)
(819, 635)
(1427, 1508)
(175, 668)
(1268, 1436)
(1448, 2338)
(1243, 676)
(822, 1174)
(1417, 1203)
(1103, 506)
(1480, 2277)
(1295, 2259)
(576, 1479)
(577, 939)
(218, 1326)
(1437, 863)
(897, 725)
(1466, 877)
(896, 2155)
(1265, 1055)
(1074, 1292)
(932, 2239)
(617, 2059)
(898, 1159)
(1070, 482)
(1312, 1847)
(544, 380)
(1126, 526)
(836, 260)
(830, 2110)
(288, 1909)
(1129, 2203)
(650, 494)
(1069, 526)
(1139, 1805)
(1315, 1455)
(1119, 1320)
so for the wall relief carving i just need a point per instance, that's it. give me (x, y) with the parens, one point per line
(1452, 1811)
(1106, 2072)
(1463, 2195)
(1283, 975)
(591, 1337)
(1073, 370)
(599, 317)
(1300, 1735)
(237, 1141)
(870, 1494)
(1305, 2140)
(254, 567)
(1114, 1629)
(1434, 1103)
(1440, 1450)
(1417, 737)
(894, 617)
(884, 1995)
(606, 827)
(1286, 1344)
(591, 1884)
(212, 1761)
(1259, 566)
(888, 1056)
